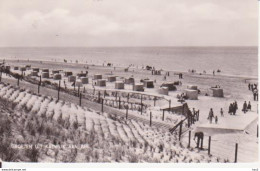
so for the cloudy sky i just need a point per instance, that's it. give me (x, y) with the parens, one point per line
(128, 22)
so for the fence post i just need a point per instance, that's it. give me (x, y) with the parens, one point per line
(84, 89)
(18, 78)
(126, 115)
(141, 104)
(180, 131)
(78, 90)
(119, 105)
(189, 139)
(80, 99)
(236, 153)
(170, 106)
(127, 97)
(150, 118)
(1, 75)
(102, 106)
(59, 91)
(257, 132)
(39, 84)
(105, 94)
(163, 114)
(209, 145)
(98, 96)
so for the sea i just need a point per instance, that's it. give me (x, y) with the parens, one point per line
(235, 61)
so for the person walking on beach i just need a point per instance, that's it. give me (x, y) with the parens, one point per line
(249, 106)
(211, 115)
(249, 86)
(244, 107)
(221, 112)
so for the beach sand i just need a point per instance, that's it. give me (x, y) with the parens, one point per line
(235, 89)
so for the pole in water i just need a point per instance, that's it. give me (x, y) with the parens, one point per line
(236, 153)
(209, 145)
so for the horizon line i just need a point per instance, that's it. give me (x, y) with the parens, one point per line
(120, 46)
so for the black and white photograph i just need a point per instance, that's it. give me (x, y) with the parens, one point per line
(128, 81)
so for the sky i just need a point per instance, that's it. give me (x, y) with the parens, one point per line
(90, 23)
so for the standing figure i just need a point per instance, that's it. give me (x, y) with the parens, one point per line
(244, 107)
(249, 106)
(216, 119)
(211, 115)
(249, 86)
(200, 136)
(221, 112)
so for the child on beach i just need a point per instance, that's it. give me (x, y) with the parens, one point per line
(221, 112)
(216, 119)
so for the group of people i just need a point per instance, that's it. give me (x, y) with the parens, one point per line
(254, 89)
(211, 116)
(233, 108)
(246, 107)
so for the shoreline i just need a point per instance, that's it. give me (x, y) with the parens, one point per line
(246, 77)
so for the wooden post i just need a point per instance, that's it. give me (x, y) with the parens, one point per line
(102, 106)
(39, 84)
(150, 118)
(80, 99)
(1, 75)
(127, 97)
(119, 105)
(18, 80)
(105, 94)
(170, 105)
(257, 132)
(209, 145)
(236, 153)
(99, 97)
(163, 115)
(84, 89)
(116, 96)
(78, 90)
(154, 103)
(141, 104)
(180, 131)
(59, 91)
(126, 115)
(189, 139)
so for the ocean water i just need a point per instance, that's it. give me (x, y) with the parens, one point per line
(239, 61)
